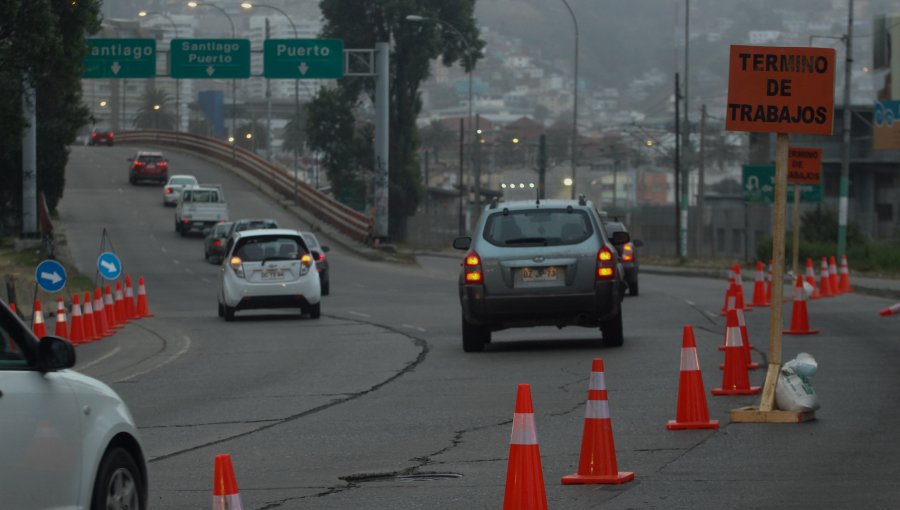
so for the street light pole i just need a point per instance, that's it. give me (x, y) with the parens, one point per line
(845, 156)
(575, 97)
(177, 82)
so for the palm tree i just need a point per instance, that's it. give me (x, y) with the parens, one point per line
(154, 110)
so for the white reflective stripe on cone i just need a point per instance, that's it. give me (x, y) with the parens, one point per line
(740, 316)
(229, 502)
(523, 431)
(129, 293)
(758, 277)
(598, 381)
(798, 293)
(76, 310)
(810, 272)
(597, 409)
(107, 299)
(689, 360)
(38, 316)
(733, 337)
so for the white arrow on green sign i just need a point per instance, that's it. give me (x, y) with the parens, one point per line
(210, 58)
(299, 59)
(120, 58)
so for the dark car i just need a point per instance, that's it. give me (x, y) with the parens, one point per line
(540, 263)
(214, 242)
(148, 166)
(102, 136)
(319, 251)
(251, 224)
(627, 254)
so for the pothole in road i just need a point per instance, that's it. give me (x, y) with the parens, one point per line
(416, 477)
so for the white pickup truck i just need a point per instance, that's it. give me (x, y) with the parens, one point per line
(200, 207)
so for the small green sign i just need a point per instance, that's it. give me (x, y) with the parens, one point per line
(299, 59)
(759, 186)
(120, 58)
(210, 58)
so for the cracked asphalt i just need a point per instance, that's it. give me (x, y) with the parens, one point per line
(376, 406)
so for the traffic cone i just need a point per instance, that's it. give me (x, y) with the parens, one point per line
(524, 477)
(129, 300)
(77, 333)
(833, 277)
(844, 281)
(120, 304)
(597, 463)
(824, 280)
(109, 306)
(769, 285)
(739, 290)
(692, 412)
(759, 287)
(725, 307)
(735, 378)
(745, 340)
(891, 310)
(100, 323)
(61, 329)
(811, 278)
(143, 310)
(799, 318)
(90, 330)
(38, 327)
(225, 490)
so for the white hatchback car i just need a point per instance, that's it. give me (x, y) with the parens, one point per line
(176, 183)
(68, 441)
(271, 268)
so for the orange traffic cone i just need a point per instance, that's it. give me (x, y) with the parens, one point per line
(225, 490)
(77, 333)
(811, 278)
(130, 313)
(844, 281)
(739, 290)
(61, 329)
(90, 330)
(769, 285)
(745, 343)
(735, 378)
(729, 299)
(759, 287)
(799, 318)
(37, 325)
(891, 310)
(109, 305)
(728, 291)
(597, 463)
(524, 476)
(833, 277)
(120, 304)
(100, 322)
(692, 412)
(825, 280)
(143, 310)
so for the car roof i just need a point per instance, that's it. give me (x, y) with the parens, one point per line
(618, 226)
(518, 205)
(149, 153)
(266, 232)
(254, 220)
(184, 176)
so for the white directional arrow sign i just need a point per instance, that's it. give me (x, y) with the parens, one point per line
(109, 266)
(210, 70)
(53, 277)
(115, 67)
(303, 68)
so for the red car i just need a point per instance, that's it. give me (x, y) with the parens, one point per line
(101, 136)
(148, 166)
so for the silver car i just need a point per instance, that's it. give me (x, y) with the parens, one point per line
(540, 263)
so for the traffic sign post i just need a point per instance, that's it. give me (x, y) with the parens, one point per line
(804, 167)
(299, 59)
(780, 90)
(109, 265)
(120, 58)
(210, 58)
(50, 275)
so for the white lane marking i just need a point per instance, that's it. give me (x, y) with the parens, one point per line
(120, 190)
(187, 345)
(110, 354)
(189, 270)
(689, 302)
(359, 314)
(205, 280)
(164, 250)
(176, 261)
(712, 314)
(410, 326)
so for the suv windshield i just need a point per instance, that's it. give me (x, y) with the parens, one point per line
(265, 248)
(182, 180)
(549, 227)
(254, 225)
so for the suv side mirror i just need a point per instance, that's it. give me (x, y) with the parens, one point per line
(620, 238)
(462, 243)
(55, 353)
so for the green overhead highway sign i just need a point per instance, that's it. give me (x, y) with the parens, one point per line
(120, 58)
(759, 186)
(303, 58)
(210, 58)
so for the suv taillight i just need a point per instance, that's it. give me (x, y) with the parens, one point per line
(628, 252)
(472, 269)
(605, 264)
(238, 266)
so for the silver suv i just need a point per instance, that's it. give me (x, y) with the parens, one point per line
(540, 263)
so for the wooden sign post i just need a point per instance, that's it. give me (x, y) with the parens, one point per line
(804, 167)
(780, 90)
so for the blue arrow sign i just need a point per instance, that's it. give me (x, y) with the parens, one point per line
(50, 275)
(109, 266)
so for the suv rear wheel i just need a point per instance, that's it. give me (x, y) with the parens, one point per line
(612, 330)
(474, 337)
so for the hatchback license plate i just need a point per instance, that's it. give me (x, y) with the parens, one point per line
(272, 274)
(540, 274)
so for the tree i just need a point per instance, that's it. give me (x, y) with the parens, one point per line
(436, 137)
(154, 110)
(43, 41)
(362, 23)
(295, 132)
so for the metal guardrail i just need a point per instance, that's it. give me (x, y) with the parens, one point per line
(350, 222)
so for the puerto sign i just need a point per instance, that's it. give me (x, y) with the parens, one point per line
(299, 59)
(120, 58)
(210, 58)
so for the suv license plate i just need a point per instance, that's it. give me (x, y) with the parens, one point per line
(540, 274)
(272, 274)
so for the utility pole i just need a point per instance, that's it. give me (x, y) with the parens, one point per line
(542, 166)
(686, 138)
(29, 162)
(845, 160)
(476, 150)
(462, 187)
(268, 108)
(382, 125)
(677, 188)
(701, 181)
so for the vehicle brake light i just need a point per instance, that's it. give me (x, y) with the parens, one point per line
(472, 268)
(93, 135)
(217, 242)
(168, 190)
(185, 221)
(163, 163)
(604, 264)
(628, 252)
(138, 163)
(112, 135)
(321, 257)
(238, 265)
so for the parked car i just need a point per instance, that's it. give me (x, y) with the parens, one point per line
(627, 254)
(318, 251)
(172, 189)
(270, 268)
(252, 224)
(200, 207)
(540, 263)
(102, 136)
(214, 242)
(69, 441)
(148, 166)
